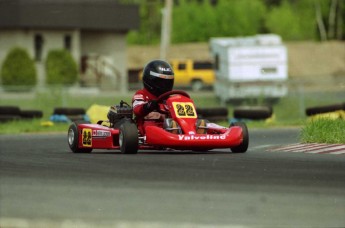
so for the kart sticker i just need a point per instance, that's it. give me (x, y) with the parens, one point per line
(87, 137)
(184, 109)
(101, 133)
(207, 137)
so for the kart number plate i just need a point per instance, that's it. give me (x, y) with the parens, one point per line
(87, 137)
(184, 109)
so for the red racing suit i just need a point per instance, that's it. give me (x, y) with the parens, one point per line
(143, 119)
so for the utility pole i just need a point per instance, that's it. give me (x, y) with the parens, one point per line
(166, 29)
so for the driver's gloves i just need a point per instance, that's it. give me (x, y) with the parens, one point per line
(150, 106)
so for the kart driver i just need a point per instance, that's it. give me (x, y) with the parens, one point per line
(158, 78)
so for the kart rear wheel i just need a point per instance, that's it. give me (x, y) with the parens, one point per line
(242, 148)
(128, 138)
(73, 138)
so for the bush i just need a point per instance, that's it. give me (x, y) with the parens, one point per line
(61, 68)
(18, 69)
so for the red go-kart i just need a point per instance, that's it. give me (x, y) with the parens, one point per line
(180, 130)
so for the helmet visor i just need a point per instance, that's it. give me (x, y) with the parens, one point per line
(163, 85)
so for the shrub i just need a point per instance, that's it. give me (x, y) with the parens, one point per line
(18, 69)
(61, 68)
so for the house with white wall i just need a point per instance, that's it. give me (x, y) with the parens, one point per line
(93, 31)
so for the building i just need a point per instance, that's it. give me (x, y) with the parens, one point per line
(93, 31)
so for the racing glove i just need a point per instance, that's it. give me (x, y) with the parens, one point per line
(150, 106)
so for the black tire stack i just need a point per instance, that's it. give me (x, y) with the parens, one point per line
(311, 111)
(253, 112)
(11, 113)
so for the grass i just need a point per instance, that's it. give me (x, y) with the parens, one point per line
(31, 126)
(324, 130)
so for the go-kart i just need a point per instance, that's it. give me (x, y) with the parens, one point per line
(180, 130)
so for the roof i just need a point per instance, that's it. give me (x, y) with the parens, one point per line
(69, 14)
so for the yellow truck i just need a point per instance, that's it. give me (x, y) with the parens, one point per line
(193, 74)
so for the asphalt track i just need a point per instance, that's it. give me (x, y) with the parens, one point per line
(43, 184)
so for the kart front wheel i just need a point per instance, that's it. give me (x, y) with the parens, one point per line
(242, 148)
(73, 138)
(128, 138)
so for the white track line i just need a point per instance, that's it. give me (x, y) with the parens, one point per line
(335, 148)
(311, 148)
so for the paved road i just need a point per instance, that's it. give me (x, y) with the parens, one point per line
(44, 184)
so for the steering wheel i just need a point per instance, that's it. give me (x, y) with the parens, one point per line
(164, 96)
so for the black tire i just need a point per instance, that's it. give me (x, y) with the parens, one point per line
(73, 138)
(324, 109)
(243, 147)
(30, 114)
(69, 111)
(253, 112)
(10, 110)
(128, 138)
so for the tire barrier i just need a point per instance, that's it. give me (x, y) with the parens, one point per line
(213, 114)
(253, 112)
(311, 111)
(69, 111)
(11, 113)
(9, 110)
(63, 114)
(31, 114)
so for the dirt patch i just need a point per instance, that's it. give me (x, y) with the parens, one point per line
(316, 59)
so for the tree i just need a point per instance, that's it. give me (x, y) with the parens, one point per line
(292, 22)
(240, 18)
(194, 21)
(150, 26)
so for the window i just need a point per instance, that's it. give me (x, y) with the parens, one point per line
(38, 43)
(68, 42)
(181, 66)
(202, 65)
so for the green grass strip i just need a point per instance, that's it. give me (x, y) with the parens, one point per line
(324, 130)
(32, 126)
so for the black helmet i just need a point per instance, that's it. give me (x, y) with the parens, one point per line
(158, 77)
